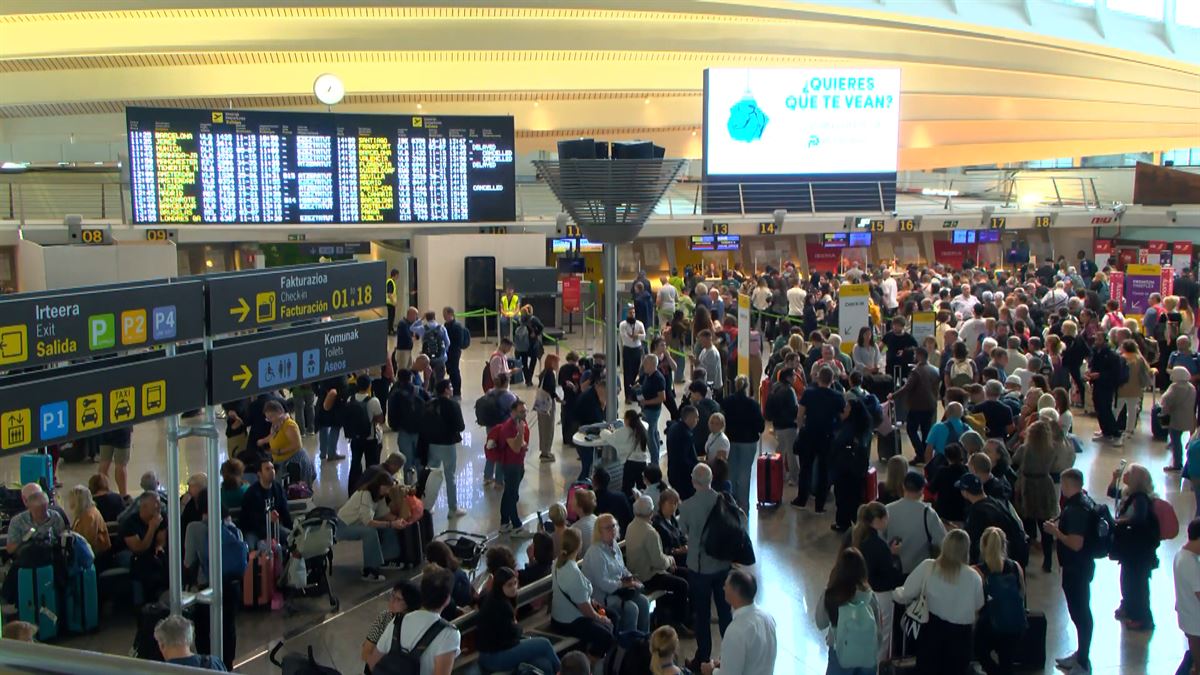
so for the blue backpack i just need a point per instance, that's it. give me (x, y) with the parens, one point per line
(856, 637)
(1005, 605)
(235, 553)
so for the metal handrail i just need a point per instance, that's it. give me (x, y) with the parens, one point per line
(32, 657)
(28, 197)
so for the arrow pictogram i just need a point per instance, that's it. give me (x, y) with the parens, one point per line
(241, 311)
(244, 377)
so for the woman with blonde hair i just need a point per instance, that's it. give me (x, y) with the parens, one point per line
(1135, 543)
(557, 514)
(893, 484)
(1129, 394)
(85, 519)
(571, 610)
(664, 645)
(1001, 576)
(953, 595)
(613, 586)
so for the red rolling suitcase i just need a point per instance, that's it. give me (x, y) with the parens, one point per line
(770, 479)
(871, 489)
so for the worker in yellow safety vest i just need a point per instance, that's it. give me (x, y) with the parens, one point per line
(510, 308)
(390, 294)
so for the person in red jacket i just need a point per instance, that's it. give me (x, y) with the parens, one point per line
(512, 439)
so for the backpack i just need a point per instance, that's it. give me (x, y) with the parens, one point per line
(315, 533)
(723, 536)
(521, 339)
(487, 411)
(464, 336)
(431, 423)
(234, 552)
(356, 421)
(631, 655)
(405, 408)
(77, 555)
(1168, 522)
(1014, 531)
(1098, 540)
(401, 661)
(433, 342)
(856, 637)
(962, 373)
(1005, 606)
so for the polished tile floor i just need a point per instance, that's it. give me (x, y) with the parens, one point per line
(795, 551)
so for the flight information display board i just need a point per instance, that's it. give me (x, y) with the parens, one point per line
(224, 166)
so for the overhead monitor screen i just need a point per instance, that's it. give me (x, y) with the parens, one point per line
(728, 242)
(860, 239)
(989, 236)
(224, 166)
(964, 237)
(834, 240)
(703, 242)
(569, 245)
(780, 121)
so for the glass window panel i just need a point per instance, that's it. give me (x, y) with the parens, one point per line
(1187, 13)
(1150, 9)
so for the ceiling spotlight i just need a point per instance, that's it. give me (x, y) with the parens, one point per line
(647, 101)
(420, 105)
(693, 132)
(537, 102)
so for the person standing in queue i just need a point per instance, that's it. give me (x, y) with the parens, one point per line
(633, 336)
(1078, 567)
(1103, 372)
(652, 394)
(402, 356)
(390, 296)
(820, 411)
(443, 429)
(570, 378)
(460, 339)
(361, 418)
(512, 437)
(744, 426)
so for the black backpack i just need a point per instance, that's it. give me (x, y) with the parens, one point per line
(404, 409)
(401, 661)
(723, 536)
(356, 421)
(432, 342)
(487, 410)
(1098, 540)
(432, 426)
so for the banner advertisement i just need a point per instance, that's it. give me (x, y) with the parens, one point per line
(1102, 250)
(922, 325)
(570, 294)
(1158, 253)
(1168, 281)
(1116, 285)
(1126, 257)
(821, 259)
(1141, 281)
(853, 314)
(953, 255)
(743, 323)
(1181, 255)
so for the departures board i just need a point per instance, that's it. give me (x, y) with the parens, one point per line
(224, 166)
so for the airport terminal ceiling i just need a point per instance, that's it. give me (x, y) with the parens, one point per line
(971, 93)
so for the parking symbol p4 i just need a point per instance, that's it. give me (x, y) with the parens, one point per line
(162, 322)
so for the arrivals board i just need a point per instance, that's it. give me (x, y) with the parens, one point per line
(247, 366)
(243, 300)
(55, 406)
(80, 323)
(224, 166)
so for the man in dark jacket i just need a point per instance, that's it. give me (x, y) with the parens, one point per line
(460, 339)
(264, 498)
(1104, 369)
(744, 425)
(984, 512)
(781, 409)
(258, 427)
(681, 452)
(442, 430)
(611, 501)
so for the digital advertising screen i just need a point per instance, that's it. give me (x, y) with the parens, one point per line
(225, 166)
(703, 242)
(794, 122)
(989, 236)
(728, 242)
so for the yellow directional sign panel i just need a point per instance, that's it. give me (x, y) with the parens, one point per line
(241, 311)
(264, 307)
(121, 405)
(14, 344)
(89, 412)
(16, 428)
(154, 397)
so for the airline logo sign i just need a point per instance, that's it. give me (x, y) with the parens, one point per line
(68, 325)
(85, 400)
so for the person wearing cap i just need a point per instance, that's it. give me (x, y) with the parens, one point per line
(1178, 404)
(984, 512)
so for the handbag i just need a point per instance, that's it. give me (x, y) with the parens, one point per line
(542, 402)
(916, 614)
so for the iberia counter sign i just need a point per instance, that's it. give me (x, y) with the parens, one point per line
(241, 301)
(245, 366)
(79, 323)
(55, 406)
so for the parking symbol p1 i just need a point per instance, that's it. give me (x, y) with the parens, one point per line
(311, 363)
(54, 420)
(162, 322)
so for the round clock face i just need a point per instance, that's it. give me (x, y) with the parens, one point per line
(329, 89)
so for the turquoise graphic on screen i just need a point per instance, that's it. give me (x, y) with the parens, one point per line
(746, 121)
